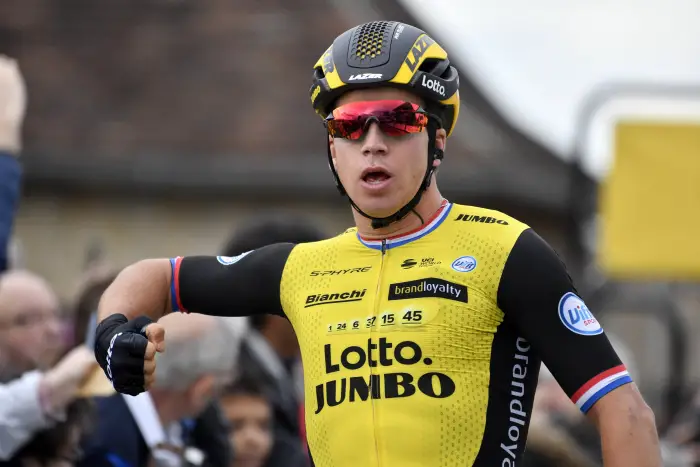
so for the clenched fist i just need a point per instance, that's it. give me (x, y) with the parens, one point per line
(13, 104)
(126, 351)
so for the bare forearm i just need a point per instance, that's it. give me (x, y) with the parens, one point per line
(141, 289)
(630, 438)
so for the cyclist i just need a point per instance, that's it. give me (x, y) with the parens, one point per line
(421, 329)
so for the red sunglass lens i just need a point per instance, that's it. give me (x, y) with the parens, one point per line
(348, 129)
(395, 118)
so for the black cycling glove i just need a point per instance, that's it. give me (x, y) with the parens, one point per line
(120, 347)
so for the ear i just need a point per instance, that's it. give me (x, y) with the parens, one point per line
(441, 138)
(331, 144)
(202, 390)
(440, 143)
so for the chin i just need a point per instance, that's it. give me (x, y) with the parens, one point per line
(378, 206)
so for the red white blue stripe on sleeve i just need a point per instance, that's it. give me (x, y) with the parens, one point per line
(175, 284)
(597, 387)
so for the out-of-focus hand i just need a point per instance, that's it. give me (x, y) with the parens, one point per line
(13, 104)
(60, 384)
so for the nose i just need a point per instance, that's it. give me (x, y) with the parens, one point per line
(374, 143)
(253, 440)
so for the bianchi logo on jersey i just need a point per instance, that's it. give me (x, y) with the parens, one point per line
(395, 358)
(334, 297)
(430, 287)
(228, 260)
(577, 317)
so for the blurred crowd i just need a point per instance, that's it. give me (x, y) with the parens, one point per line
(229, 391)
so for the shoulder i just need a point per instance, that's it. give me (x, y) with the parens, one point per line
(479, 215)
(332, 254)
(345, 239)
(496, 225)
(509, 232)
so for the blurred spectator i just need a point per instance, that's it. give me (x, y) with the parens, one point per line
(30, 330)
(683, 439)
(270, 353)
(550, 446)
(13, 102)
(32, 400)
(249, 415)
(59, 445)
(157, 426)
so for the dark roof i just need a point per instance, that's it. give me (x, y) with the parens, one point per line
(160, 95)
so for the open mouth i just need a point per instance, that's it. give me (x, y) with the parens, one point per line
(375, 176)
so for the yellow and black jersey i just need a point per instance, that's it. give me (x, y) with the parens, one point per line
(423, 349)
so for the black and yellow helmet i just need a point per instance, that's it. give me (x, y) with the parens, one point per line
(387, 53)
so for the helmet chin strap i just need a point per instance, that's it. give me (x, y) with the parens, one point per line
(433, 155)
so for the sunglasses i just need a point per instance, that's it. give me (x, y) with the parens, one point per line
(394, 117)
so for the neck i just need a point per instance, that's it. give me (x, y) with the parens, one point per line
(167, 406)
(429, 204)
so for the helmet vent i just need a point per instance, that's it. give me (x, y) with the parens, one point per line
(370, 43)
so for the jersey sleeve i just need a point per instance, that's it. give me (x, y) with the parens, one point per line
(538, 295)
(243, 285)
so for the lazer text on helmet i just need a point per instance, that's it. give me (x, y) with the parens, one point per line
(417, 52)
(365, 76)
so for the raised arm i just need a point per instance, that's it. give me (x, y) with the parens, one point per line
(537, 294)
(140, 289)
(127, 339)
(214, 285)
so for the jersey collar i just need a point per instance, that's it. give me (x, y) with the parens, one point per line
(398, 240)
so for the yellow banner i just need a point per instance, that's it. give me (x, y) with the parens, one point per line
(650, 203)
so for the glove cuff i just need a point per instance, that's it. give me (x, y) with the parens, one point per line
(106, 327)
(139, 324)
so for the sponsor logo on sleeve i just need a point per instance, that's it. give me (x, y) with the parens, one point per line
(576, 316)
(228, 260)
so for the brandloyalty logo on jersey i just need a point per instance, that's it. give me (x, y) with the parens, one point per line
(430, 287)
